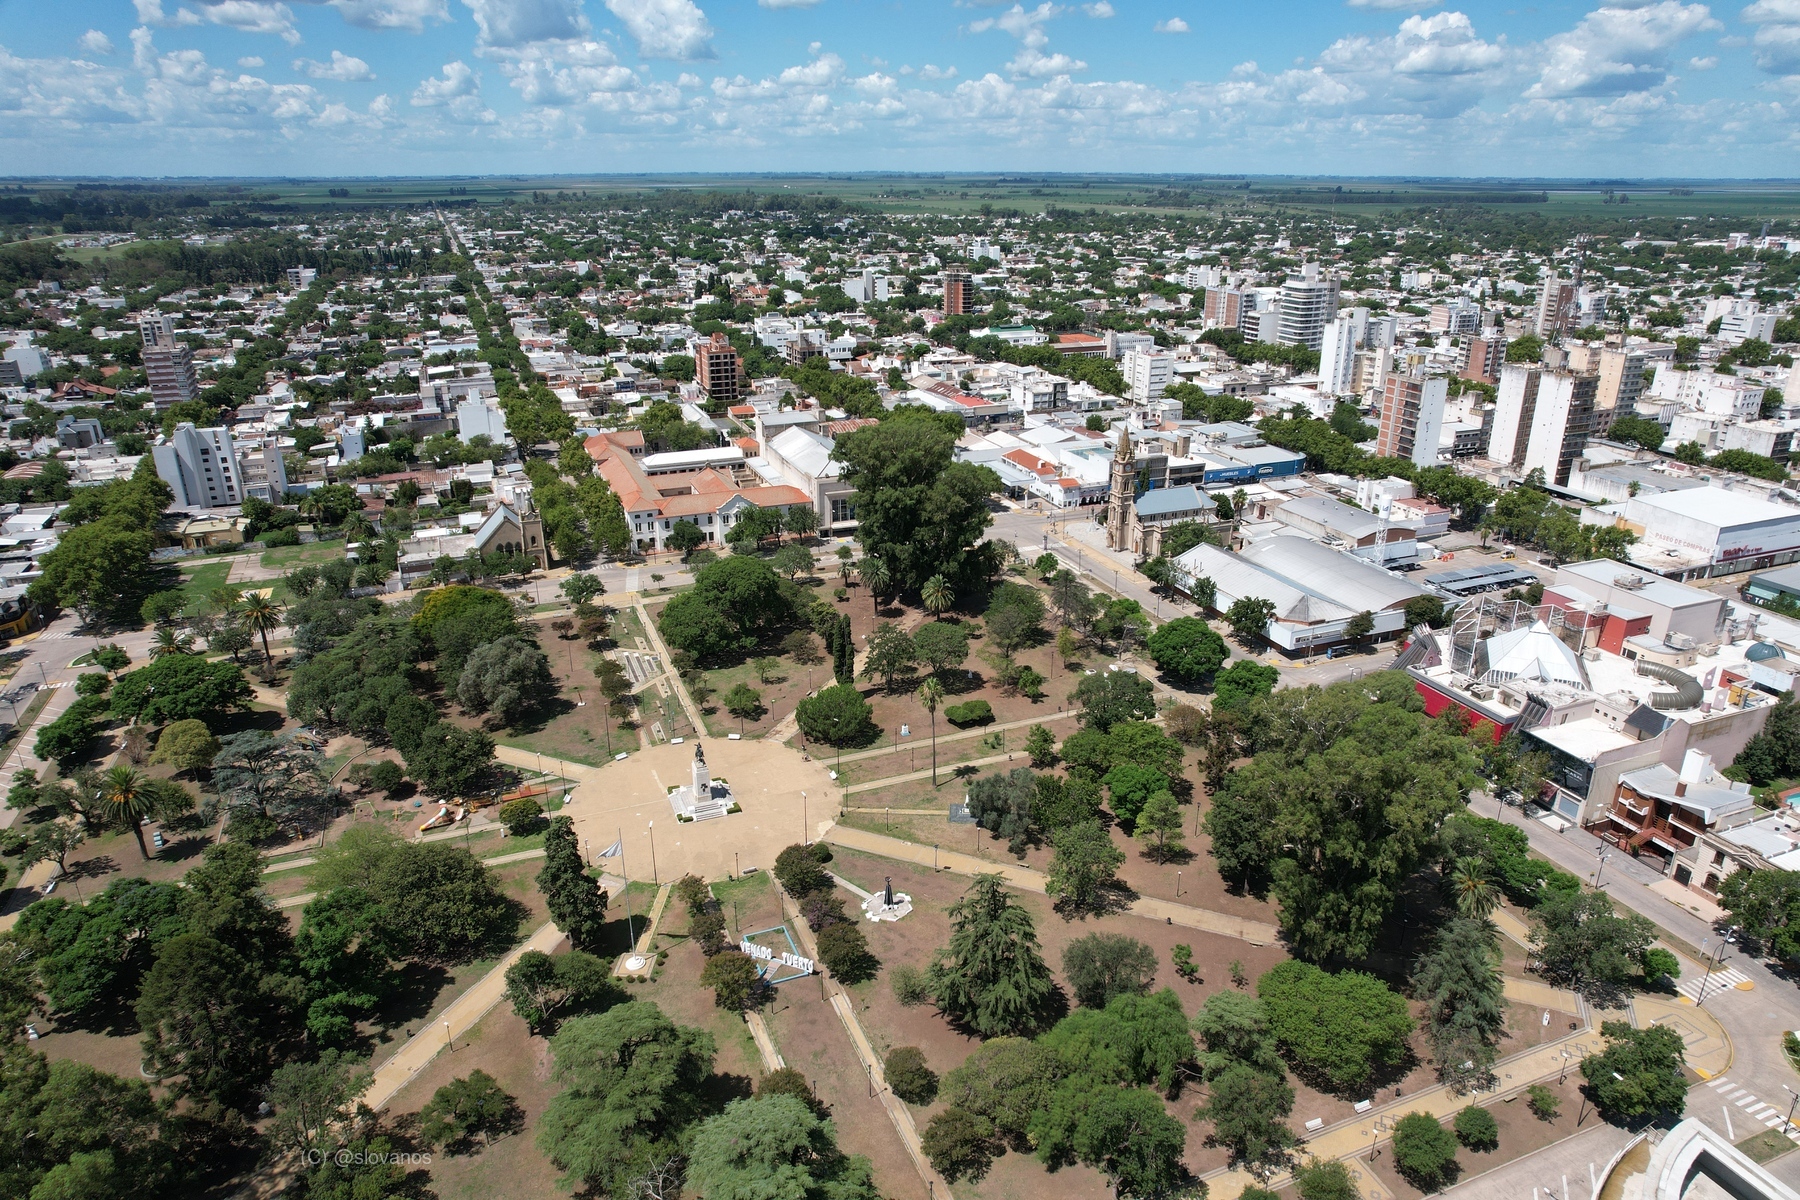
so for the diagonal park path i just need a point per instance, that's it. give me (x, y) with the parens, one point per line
(1708, 1048)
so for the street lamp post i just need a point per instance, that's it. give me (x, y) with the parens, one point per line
(654, 877)
(1603, 856)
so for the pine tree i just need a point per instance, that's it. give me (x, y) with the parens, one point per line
(843, 662)
(1459, 981)
(575, 900)
(991, 978)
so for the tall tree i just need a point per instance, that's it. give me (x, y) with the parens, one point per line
(575, 899)
(1458, 980)
(931, 694)
(773, 1148)
(1338, 807)
(125, 799)
(991, 976)
(1084, 865)
(261, 616)
(633, 1083)
(917, 510)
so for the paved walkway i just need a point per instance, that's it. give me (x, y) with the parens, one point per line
(896, 1109)
(1581, 1160)
(1258, 933)
(1365, 1131)
(461, 1016)
(964, 735)
(947, 771)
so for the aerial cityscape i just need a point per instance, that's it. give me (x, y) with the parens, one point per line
(945, 602)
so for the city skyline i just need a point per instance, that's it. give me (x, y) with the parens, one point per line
(367, 87)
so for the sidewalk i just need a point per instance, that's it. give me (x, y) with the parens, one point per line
(964, 735)
(1257, 933)
(1367, 1130)
(461, 1016)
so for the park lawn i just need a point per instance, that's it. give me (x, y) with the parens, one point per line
(586, 733)
(198, 581)
(286, 558)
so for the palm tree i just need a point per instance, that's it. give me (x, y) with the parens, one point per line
(124, 797)
(168, 641)
(260, 615)
(876, 577)
(1474, 893)
(357, 529)
(931, 694)
(938, 596)
(846, 569)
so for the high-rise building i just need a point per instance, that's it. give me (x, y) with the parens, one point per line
(1412, 418)
(169, 364)
(1556, 310)
(263, 471)
(959, 293)
(1308, 303)
(1337, 357)
(1621, 385)
(201, 468)
(1542, 419)
(157, 329)
(1147, 373)
(718, 369)
(1486, 355)
(1456, 317)
(1224, 308)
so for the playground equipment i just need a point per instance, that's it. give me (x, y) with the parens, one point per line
(445, 816)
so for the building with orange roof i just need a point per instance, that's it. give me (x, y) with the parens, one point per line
(711, 488)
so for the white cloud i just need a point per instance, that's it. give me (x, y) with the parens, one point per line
(1617, 51)
(251, 16)
(95, 42)
(410, 15)
(507, 25)
(1777, 41)
(689, 80)
(457, 90)
(250, 62)
(343, 68)
(674, 29)
(563, 73)
(1172, 25)
(457, 79)
(787, 3)
(1099, 11)
(1703, 64)
(931, 73)
(150, 12)
(1030, 62)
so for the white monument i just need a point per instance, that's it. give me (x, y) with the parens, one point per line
(702, 797)
(887, 904)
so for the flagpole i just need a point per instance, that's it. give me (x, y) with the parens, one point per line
(630, 932)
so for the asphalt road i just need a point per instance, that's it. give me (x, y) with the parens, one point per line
(1755, 1018)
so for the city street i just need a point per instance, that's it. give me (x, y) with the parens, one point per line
(1755, 1017)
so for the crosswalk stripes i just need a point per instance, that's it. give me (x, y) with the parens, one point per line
(1748, 1105)
(57, 636)
(1722, 979)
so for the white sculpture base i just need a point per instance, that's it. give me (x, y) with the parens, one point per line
(877, 909)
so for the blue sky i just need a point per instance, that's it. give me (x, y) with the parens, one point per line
(1364, 87)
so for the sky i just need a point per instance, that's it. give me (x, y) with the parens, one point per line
(1632, 88)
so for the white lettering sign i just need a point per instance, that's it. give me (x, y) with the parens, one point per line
(796, 962)
(755, 951)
